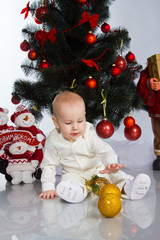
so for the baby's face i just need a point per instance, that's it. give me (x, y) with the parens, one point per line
(71, 120)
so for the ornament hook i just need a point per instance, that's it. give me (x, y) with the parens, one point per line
(104, 102)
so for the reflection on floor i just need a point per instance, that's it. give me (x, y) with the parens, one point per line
(23, 216)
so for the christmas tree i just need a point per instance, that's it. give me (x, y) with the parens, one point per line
(71, 46)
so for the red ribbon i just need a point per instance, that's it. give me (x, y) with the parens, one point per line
(25, 10)
(90, 63)
(92, 19)
(48, 35)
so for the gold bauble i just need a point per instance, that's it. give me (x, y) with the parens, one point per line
(109, 205)
(110, 188)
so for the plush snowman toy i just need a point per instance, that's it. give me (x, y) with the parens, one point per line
(25, 120)
(4, 121)
(4, 128)
(21, 166)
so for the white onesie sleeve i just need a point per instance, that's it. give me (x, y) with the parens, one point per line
(49, 164)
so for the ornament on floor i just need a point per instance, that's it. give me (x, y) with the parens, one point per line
(105, 28)
(95, 184)
(115, 71)
(25, 46)
(104, 128)
(130, 57)
(132, 133)
(15, 99)
(109, 205)
(110, 188)
(90, 38)
(44, 65)
(90, 83)
(32, 55)
(40, 12)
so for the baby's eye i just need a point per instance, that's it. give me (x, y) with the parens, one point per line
(80, 121)
(67, 123)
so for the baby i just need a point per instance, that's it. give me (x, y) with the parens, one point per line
(82, 154)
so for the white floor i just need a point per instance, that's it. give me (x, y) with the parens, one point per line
(23, 216)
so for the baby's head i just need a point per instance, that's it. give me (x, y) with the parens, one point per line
(69, 115)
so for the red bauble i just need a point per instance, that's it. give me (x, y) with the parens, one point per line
(36, 21)
(40, 12)
(129, 122)
(130, 57)
(104, 129)
(39, 35)
(121, 63)
(43, 65)
(90, 38)
(105, 27)
(115, 71)
(32, 55)
(15, 99)
(81, 1)
(24, 46)
(132, 133)
(90, 83)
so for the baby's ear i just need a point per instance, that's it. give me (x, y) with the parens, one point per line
(55, 122)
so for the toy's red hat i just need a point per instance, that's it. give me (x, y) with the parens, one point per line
(4, 110)
(1, 110)
(20, 109)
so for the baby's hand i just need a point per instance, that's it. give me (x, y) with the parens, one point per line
(48, 194)
(112, 168)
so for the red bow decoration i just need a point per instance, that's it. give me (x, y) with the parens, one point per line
(48, 35)
(90, 63)
(25, 10)
(92, 19)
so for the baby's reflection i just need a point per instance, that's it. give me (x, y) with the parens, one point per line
(138, 212)
(63, 220)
